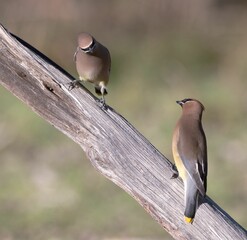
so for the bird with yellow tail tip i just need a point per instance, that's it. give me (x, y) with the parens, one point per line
(93, 64)
(189, 148)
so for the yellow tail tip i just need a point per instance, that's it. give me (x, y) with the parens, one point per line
(188, 220)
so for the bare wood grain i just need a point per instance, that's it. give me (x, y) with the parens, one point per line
(114, 147)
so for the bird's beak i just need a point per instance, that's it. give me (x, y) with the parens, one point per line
(180, 103)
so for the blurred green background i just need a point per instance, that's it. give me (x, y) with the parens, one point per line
(162, 51)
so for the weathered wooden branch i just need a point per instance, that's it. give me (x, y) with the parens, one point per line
(114, 147)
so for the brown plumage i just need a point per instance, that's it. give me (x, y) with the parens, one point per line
(93, 63)
(190, 154)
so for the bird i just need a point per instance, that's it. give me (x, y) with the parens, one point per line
(93, 64)
(189, 148)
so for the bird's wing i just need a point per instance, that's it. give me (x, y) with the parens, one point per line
(193, 155)
(74, 57)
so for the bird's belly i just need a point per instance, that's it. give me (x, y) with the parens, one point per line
(88, 74)
(179, 164)
(90, 70)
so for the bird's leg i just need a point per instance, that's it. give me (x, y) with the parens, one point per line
(102, 99)
(174, 171)
(102, 102)
(101, 90)
(74, 57)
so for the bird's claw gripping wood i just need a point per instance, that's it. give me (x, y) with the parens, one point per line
(102, 103)
(74, 84)
(174, 171)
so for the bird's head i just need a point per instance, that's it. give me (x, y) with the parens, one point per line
(86, 42)
(190, 104)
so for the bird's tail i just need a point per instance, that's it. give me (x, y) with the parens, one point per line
(191, 201)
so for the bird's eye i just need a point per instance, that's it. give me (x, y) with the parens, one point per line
(187, 100)
(90, 48)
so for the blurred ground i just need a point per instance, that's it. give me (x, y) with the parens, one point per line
(162, 51)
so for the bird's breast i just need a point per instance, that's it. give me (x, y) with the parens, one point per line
(90, 68)
(176, 155)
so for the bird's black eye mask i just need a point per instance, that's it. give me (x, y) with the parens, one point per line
(186, 100)
(90, 48)
(182, 102)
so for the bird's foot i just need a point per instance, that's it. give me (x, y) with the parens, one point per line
(102, 104)
(73, 84)
(174, 171)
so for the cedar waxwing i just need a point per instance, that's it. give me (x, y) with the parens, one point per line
(189, 149)
(93, 63)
